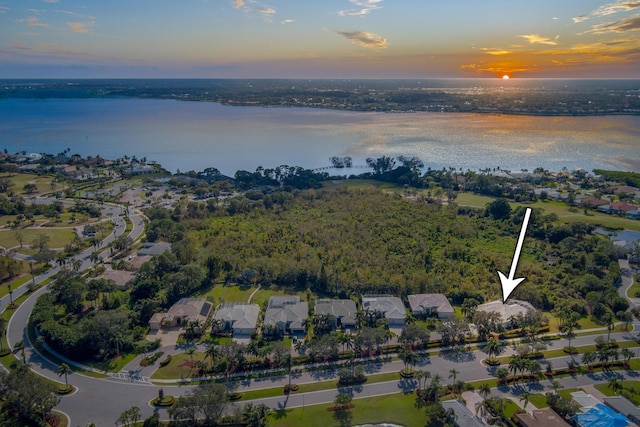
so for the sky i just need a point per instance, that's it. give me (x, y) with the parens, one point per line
(319, 39)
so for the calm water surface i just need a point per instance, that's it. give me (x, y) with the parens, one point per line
(196, 135)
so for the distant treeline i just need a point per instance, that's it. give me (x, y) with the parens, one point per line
(629, 178)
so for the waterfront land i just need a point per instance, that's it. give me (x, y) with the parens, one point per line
(547, 97)
(291, 231)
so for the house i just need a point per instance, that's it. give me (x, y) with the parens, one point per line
(238, 317)
(390, 307)
(601, 416)
(622, 405)
(183, 311)
(288, 313)
(541, 418)
(592, 202)
(624, 189)
(154, 248)
(507, 310)
(623, 207)
(343, 312)
(634, 214)
(463, 417)
(427, 304)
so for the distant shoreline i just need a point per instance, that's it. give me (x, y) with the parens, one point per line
(521, 97)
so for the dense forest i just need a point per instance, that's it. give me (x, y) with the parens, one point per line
(348, 242)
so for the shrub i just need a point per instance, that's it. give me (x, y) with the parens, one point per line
(151, 359)
(166, 360)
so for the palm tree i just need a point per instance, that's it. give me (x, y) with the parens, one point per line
(615, 385)
(525, 397)
(567, 329)
(65, 370)
(608, 318)
(453, 374)
(190, 351)
(555, 385)
(409, 358)
(3, 330)
(434, 387)
(210, 353)
(484, 390)
(588, 358)
(493, 348)
(19, 346)
(483, 407)
(625, 353)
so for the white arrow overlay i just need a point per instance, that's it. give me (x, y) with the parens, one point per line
(509, 283)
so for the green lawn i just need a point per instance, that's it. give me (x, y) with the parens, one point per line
(234, 293)
(227, 293)
(43, 183)
(181, 366)
(558, 208)
(540, 401)
(634, 290)
(631, 390)
(112, 365)
(395, 408)
(57, 237)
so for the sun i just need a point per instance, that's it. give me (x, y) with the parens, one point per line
(505, 77)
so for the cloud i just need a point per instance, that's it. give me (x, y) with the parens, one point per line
(469, 66)
(238, 4)
(627, 24)
(495, 52)
(287, 21)
(610, 9)
(80, 27)
(365, 39)
(3, 9)
(34, 22)
(267, 11)
(50, 1)
(364, 7)
(535, 38)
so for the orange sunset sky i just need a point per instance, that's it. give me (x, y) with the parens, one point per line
(319, 39)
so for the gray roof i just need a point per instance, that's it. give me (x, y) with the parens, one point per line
(191, 308)
(154, 248)
(340, 308)
(392, 307)
(463, 416)
(624, 406)
(423, 302)
(241, 315)
(289, 310)
(281, 301)
(512, 307)
(585, 400)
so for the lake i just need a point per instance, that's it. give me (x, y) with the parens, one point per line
(195, 135)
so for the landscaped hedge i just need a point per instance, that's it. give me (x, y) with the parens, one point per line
(151, 359)
(166, 360)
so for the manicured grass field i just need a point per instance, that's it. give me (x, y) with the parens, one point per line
(395, 408)
(43, 183)
(58, 237)
(630, 387)
(181, 366)
(234, 293)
